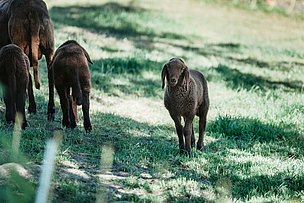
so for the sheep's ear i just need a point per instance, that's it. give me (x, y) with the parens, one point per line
(187, 77)
(181, 60)
(163, 75)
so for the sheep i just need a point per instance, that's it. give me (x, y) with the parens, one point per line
(14, 68)
(71, 70)
(186, 95)
(27, 24)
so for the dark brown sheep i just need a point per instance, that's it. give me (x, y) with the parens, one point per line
(14, 68)
(27, 24)
(186, 95)
(71, 71)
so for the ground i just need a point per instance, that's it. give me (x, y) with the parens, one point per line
(254, 64)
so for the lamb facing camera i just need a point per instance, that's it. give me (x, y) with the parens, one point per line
(186, 95)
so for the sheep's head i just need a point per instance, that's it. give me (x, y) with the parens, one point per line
(175, 71)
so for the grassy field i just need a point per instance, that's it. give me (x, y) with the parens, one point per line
(254, 64)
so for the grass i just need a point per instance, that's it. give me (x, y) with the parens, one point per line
(255, 129)
(281, 8)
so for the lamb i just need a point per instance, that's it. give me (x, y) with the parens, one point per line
(186, 95)
(71, 70)
(14, 68)
(27, 24)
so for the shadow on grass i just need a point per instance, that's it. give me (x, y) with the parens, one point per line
(140, 148)
(113, 19)
(131, 65)
(125, 75)
(136, 147)
(263, 184)
(236, 79)
(223, 50)
(244, 133)
(251, 137)
(276, 65)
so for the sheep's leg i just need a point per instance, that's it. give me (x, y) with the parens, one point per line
(187, 134)
(10, 99)
(202, 127)
(20, 106)
(51, 104)
(36, 76)
(9, 110)
(179, 131)
(35, 55)
(192, 137)
(64, 103)
(76, 91)
(72, 112)
(32, 103)
(86, 111)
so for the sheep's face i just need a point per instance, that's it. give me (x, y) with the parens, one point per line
(174, 71)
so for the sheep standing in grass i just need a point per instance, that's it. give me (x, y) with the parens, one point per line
(27, 24)
(186, 95)
(71, 70)
(14, 76)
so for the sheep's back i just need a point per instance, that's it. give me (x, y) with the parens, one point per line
(69, 57)
(201, 84)
(67, 63)
(13, 61)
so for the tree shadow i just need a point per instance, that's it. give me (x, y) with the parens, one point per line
(136, 148)
(224, 50)
(236, 79)
(125, 75)
(139, 148)
(112, 19)
(251, 137)
(265, 183)
(245, 132)
(130, 65)
(274, 65)
(236, 180)
(132, 156)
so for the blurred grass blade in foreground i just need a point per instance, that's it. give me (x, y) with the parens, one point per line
(47, 168)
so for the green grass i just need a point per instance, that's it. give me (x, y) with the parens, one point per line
(254, 64)
(282, 7)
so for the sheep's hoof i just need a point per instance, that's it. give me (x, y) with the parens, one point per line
(51, 112)
(24, 125)
(184, 152)
(66, 124)
(51, 116)
(88, 129)
(10, 122)
(32, 109)
(37, 85)
(73, 125)
(200, 148)
(189, 153)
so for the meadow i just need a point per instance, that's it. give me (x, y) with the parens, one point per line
(254, 64)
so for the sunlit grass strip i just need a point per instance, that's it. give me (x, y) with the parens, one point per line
(48, 168)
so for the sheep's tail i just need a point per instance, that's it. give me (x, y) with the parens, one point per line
(13, 82)
(76, 90)
(87, 55)
(34, 29)
(206, 92)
